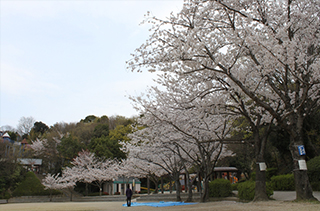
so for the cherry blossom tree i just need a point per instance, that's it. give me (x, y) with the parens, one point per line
(184, 127)
(265, 50)
(89, 169)
(153, 161)
(82, 166)
(68, 180)
(51, 182)
(103, 171)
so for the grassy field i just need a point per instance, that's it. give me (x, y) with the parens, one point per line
(117, 206)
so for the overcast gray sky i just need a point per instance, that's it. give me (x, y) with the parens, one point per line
(63, 60)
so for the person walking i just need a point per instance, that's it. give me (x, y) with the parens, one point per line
(129, 195)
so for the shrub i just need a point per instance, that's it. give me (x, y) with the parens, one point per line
(253, 176)
(283, 182)
(220, 188)
(315, 186)
(234, 186)
(313, 166)
(5, 195)
(246, 190)
(31, 186)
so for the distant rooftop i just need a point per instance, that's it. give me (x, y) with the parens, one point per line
(225, 169)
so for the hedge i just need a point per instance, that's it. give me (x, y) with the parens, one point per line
(246, 190)
(220, 188)
(314, 173)
(283, 182)
(31, 186)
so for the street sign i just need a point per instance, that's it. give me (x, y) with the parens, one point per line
(301, 149)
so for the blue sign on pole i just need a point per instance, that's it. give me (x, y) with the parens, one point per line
(301, 149)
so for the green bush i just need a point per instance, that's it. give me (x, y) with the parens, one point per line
(234, 186)
(246, 190)
(315, 186)
(5, 195)
(313, 166)
(220, 188)
(31, 186)
(283, 182)
(253, 176)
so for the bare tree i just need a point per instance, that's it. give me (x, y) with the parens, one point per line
(25, 125)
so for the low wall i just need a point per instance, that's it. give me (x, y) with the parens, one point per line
(3, 201)
(31, 199)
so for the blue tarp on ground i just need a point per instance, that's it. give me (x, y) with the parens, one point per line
(158, 204)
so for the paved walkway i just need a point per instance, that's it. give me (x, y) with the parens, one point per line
(290, 195)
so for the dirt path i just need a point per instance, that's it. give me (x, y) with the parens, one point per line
(112, 206)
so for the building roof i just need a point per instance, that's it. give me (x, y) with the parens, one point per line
(224, 169)
(30, 161)
(24, 141)
(6, 135)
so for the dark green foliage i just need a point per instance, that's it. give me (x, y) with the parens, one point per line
(220, 188)
(314, 173)
(253, 176)
(101, 147)
(311, 126)
(283, 182)
(40, 127)
(314, 169)
(11, 172)
(31, 186)
(13, 135)
(246, 190)
(69, 148)
(234, 186)
(88, 119)
(101, 130)
(271, 172)
(315, 186)
(280, 140)
(107, 146)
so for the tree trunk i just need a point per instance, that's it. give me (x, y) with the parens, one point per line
(260, 193)
(260, 142)
(199, 183)
(170, 185)
(303, 187)
(189, 183)
(162, 185)
(50, 190)
(155, 182)
(260, 188)
(178, 187)
(70, 193)
(148, 185)
(205, 194)
(302, 184)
